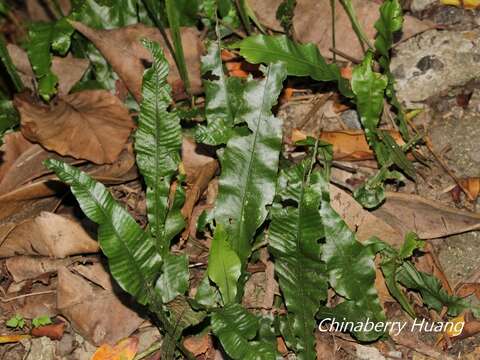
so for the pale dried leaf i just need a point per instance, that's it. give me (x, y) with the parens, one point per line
(92, 125)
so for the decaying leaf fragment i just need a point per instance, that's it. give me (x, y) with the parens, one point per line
(92, 125)
(49, 235)
(123, 50)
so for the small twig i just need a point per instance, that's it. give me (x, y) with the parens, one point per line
(345, 56)
(317, 104)
(334, 42)
(4, 300)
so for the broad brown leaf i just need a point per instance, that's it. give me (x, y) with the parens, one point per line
(124, 350)
(92, 125)
(69, 70)
(99, 315)
(123, 50)
(49, 235)
(429, 219)
(312, 22)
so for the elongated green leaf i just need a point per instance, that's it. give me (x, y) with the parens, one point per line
(390, 22)
(236, 327)
(174, 280)
(294, 236)
(351, 271)
(207, 295)
(132, 256)
(157, 143)
(300, 59)
(369, 88)
(4, 8)
(433, 294)
(224, 267)
(223, 98)
(174, 22)
(250, 164)
(42, 38)
(8, 64)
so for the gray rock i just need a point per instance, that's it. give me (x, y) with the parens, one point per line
(434, 62)
(420, 5)
(351, 119)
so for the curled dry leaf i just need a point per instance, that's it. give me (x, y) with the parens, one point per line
(92, 125)
(429, 219)
(69, 70)
(49, 235)
(52, 331)
(129, 58)
(99, 315)
(199, 169)
(348, 145)
(310, 27)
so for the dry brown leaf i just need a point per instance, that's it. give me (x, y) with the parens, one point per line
(429, 219)
(38, 12)
(14, 144)
(363, 222)
(123, 50)
(199, 169)
(30, 267)
(348, 145)
(4, 339)
(49, 235)
(92, 125)
(99, 315)
(199, 344)
(69, 70)
(312, 23)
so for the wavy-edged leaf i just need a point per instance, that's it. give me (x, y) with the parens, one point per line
(174, 280)
(42, 38)
(158, 141)
(351, 271)
(390, 21)
(132, 256)
(250, 164)
(224, 266)
(433, 294)
(236, 328)
(294, 236)
(207, 295)
(369, 88)
(223, 97)
(300, 59)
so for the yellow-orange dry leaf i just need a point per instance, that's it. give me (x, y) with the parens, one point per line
(4, 339)
(472, 187)
(347, 145)
(467, 4)
(125, 349)
(457, 326)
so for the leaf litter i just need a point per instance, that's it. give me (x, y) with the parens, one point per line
(231, 214)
